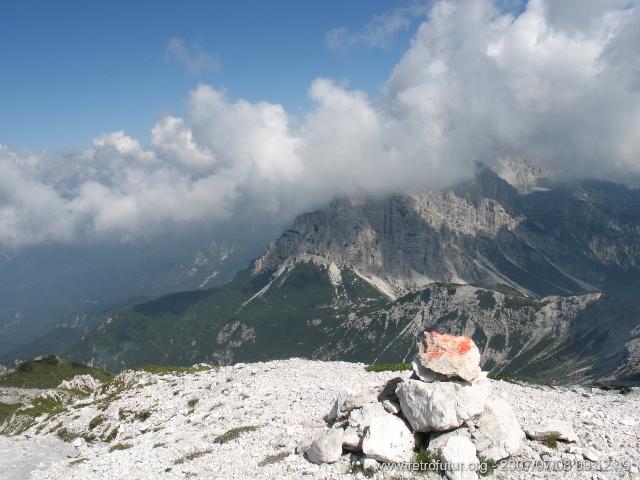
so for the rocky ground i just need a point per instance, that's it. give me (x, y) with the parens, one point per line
(248, 420)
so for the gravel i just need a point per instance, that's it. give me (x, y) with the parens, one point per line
(164, 433)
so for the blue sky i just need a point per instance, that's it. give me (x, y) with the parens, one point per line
(72, 70)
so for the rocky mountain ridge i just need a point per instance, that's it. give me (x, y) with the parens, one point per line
(560, 239)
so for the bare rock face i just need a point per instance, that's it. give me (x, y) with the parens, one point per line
(388, 439)
(497, 433)
(441, 406)
(447, 356)
(558, 428)
(327, 448)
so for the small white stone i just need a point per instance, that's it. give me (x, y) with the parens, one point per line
(590, 454)
(391, 406)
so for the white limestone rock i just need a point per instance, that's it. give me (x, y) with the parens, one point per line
(558, 428)
(348, 400)
(388, 439)
(441, 406)
(458, 455)
(352, 440)
(327, 448)
(391, 406)
(361, 418)
(497, 433)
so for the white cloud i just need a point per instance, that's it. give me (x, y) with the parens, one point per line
(476, 84)
(378, 32)
(193, 57)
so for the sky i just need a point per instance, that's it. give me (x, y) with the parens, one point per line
(73, 70)
(122, 121)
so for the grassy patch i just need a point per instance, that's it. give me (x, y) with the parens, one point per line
(120, 446)
(356, 468)
(502, 378)
(271, 459)
(423, 457)
(507, 290)
(388, 367)
(6, 409)
(551, 441)
(143, 415)
(234, 433)
(192, 404)
(192, 456)
(487, 467)
(48, 372)
(486, 300)
(39, 406)
(159, 444)
(622, 389)
(112, 436)
(173, 370)
(95, 421)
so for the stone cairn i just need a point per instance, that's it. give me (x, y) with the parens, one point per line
(446, 404)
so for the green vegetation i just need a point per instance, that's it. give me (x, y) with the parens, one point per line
(39, 406)
(356, 468)
(502, 378)
(95, 421)
(6, 410)
(520, 302)
(507, 290)
(120, 446)
(192, 456)
(143, 415)
(424, 458)
(234, 433)
(486, 300)
(388, 367)
(487, 467)
(112, 436)
(551, 441)
(271, 459)
(614, 387)
(48, 372)
(192, 404)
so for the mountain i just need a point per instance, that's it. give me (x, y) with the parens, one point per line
(72, 286)
(557, 239)
(540, 274)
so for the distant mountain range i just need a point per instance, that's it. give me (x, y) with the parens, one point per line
(543, 275)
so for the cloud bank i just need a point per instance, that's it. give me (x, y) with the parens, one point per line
(558, 84)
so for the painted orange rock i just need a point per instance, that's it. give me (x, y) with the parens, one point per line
(442, 356)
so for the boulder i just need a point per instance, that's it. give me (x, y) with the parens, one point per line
(558, 428)
(437, 440)
(327, 448)
(361, 417)
(497, 433)
(441, 406)
(458, 457)
(388, 439)
(446, 356)
(352, 440)
(348, 400)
